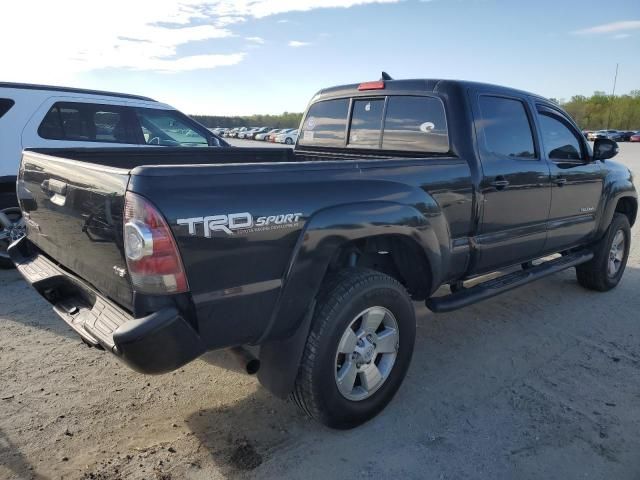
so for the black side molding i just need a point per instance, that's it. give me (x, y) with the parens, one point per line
(496, 286)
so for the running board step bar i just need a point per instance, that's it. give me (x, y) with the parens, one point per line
(468, 296)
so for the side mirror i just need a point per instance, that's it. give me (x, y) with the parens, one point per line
(603, 148)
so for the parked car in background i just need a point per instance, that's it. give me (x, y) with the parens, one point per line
(635, 137)
(288, 138)
(263, 136)
(247, 134)
(614, 135)
(626, 135)
(42, 116)
(592, 135)
(220, 131)
(234, 132)
(271, 137)
(274, 136)
(257, 131)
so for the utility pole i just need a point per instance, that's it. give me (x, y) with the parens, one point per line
(613, 93)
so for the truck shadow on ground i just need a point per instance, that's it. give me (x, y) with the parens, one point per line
(241, 436)
(20, 303)
(508, 388)
(14, 462)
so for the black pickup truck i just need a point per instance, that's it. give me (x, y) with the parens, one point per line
(305, 262)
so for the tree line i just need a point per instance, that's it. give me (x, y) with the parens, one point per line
(284, 120)
(601, 111)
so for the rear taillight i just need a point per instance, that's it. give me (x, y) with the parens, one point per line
(152, 256)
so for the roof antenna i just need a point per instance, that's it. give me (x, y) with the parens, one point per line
(385, 76)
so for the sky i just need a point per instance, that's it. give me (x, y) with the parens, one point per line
(241, 57)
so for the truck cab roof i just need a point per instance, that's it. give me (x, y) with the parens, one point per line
(426, 85)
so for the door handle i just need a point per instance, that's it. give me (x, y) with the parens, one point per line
(57, 190)
(560, 181)
(500, 183)
(54, 186)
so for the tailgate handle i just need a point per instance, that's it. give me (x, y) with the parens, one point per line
(54, 186)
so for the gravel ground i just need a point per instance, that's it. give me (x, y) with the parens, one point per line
(543, 382)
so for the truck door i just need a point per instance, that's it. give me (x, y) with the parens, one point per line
(576, 182)
(514, 192)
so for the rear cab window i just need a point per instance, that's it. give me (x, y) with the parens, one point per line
(326, 124)
(366, 123)
(400, 123)
(415, 124)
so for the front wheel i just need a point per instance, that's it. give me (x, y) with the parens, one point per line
(288, 141)
(358, 350)
(604, 271)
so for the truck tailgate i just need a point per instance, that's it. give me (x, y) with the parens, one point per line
(73, 212)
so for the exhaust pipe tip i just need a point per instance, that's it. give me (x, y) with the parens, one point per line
(249, 363)
(253, 366)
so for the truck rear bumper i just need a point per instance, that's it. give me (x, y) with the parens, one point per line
(157, 343)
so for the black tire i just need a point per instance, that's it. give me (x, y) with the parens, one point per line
(288, 141)
(341, 299)
(595, 274)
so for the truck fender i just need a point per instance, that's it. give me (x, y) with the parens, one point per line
(615, 189)
(283, 340)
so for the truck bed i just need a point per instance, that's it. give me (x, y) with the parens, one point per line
(74, 199)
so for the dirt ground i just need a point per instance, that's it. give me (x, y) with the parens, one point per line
(543, 382)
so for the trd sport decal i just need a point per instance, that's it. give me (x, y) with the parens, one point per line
(240, 223)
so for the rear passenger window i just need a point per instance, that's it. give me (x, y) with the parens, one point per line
(366, 123)
(506, 128)
(415, 124)
(325, 124)
(5, 105)
(86, 122)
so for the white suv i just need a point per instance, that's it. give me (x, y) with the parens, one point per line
(36, 116)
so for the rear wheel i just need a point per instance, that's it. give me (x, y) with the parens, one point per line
(604, 271)
(358, 350)
(288, 141)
